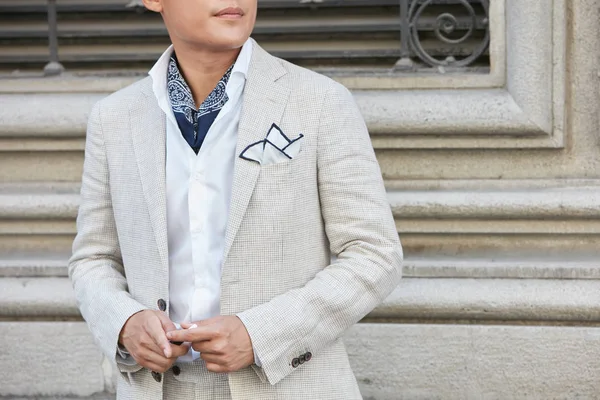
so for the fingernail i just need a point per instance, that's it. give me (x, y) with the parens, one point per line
(169, 335)
(193, 326)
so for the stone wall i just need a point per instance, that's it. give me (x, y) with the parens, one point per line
(494, 180)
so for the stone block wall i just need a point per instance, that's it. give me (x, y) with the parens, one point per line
(494, 181)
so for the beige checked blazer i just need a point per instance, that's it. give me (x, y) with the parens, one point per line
(286, 221)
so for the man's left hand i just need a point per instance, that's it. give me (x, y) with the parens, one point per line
(223, 342)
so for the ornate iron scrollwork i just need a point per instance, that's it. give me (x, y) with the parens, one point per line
(446, 24)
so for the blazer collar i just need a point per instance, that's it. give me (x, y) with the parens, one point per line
(265, 99)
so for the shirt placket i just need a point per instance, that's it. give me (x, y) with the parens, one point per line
(196, 206)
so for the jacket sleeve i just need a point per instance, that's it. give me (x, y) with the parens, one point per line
(363, 237)
(96, 268)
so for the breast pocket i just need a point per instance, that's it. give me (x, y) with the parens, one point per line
(279, 187)
(282, 172)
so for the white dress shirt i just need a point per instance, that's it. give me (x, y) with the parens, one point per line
(198, 197)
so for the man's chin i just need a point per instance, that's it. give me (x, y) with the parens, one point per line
(225, 43)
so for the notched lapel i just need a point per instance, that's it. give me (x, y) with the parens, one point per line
(148, 131)
(265, 100)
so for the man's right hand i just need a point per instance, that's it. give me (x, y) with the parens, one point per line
(144, 337)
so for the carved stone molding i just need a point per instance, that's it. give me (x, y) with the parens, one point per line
(520, 104)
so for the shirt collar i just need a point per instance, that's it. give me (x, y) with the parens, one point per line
(242, 64)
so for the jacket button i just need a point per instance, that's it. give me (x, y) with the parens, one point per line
(176, 370)
(301, 359)
(157, 376)
(307, 356)
(295, 363)
(162, 305)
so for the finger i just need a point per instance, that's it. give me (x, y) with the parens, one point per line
(167, 324)
(151, 360)
(158, 359)
(210, 346)
(147, 343)
(202, 347)
(178, 351)
(184, 325)
(213, 358)
(212, 367)
(153, 367)
(155, 330)
(198, 334)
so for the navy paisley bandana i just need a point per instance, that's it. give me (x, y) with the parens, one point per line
(194, 124)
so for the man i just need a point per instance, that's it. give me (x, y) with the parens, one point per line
(214, 194)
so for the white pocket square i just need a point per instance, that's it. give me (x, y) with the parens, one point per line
(276, 147)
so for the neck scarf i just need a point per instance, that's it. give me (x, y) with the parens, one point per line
(194, 123)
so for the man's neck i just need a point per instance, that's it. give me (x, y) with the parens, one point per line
(202, 69)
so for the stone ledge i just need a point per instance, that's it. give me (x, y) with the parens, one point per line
(106, 83)
(458, 362)
(557, 203)
(33, 265)
(493, 299)
(51, 359)
(68, 115)
(574, 266)
(45, 201)
(66, 118)
(100, 396)
(69, 83)
(42, 206)
(37, 298)
(450, 124)
(523, 300)
(577, 266)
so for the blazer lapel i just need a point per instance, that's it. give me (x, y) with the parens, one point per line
(264, 103)
(148, 129)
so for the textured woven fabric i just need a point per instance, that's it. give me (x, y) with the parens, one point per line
(286, 221)
(195, 382)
